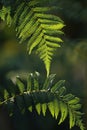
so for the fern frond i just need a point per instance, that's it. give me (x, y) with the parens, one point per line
(35, 24)
(50, 97)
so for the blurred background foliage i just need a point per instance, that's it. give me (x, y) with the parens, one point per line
(69, 63)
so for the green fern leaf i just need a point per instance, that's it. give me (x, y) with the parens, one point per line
(50, 104)
(33, 2)
(68, 97)
(36, 82)
(5, 15)
(44, 108)
(61, 91)
(48, 16)
(18, 11)
(53, 26)
(42, 9)
(57, 86)
(48, 82)
(27, 26)
(36, 42)
(52, 32)
(38, 108)
(44, 22)
(51, 108)
(21, 86)
(35, 28)
(52, 44)
(23, 14)
(30, 108)
(21, 27)
(71, 118)
(76, 106)
(74, 101)
(64, 111)
(47, 63)
(53, 39)
(35, 35)
(36, 102)
(56, 108)
(29, 82)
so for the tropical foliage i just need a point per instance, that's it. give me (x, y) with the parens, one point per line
(36, 25)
